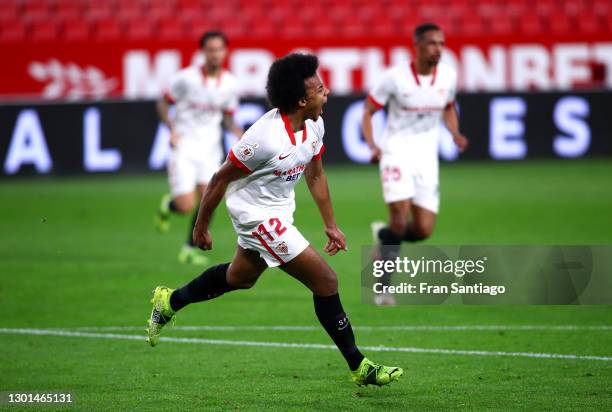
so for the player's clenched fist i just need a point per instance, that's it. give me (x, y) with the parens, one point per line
(202, 238)
(336, 242)
(461, 141)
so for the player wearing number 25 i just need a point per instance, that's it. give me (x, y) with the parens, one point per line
(258, 178)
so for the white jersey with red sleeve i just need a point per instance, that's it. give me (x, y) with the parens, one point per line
(262, 203)
(274, 158)
(415, 106)
(200, 102)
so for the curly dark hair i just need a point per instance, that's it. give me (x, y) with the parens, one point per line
(285, 86)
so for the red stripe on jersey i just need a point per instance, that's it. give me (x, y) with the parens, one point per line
(232, 157)
(372, 100)
(416, 75)
(268, 248)
(290, 130)
(169, 98)
(320, 154)
(205, 74)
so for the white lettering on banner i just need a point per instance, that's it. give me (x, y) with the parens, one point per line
(341, 62)
(603, 53)
(571, 64)
(530, 67)
(28, 145)
(491, 68)
(373, 63)
(140, 79)
(355, 147)
(506, 128)
(251, 66)
(70, 80)
(96, 159)
(480, 74)
(569, 115)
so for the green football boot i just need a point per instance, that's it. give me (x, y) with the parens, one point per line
(161, 313)
(370, 373)
(193, 255)
(161, 220)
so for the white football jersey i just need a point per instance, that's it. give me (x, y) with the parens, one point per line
(200, 102)
(274, 158)
(416, 103)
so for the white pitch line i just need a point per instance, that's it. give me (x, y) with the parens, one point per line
(223, 342)
(407, 328)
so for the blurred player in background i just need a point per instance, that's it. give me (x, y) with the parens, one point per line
(259, 176)
(418, 97)
(204, 97)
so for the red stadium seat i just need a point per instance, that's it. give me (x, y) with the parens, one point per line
(99, 11)
(471, 25)
(138, 29)
(68, 10)
(324, 29)
(12, 31)
(44, 31)
(171, 29)
(292, 31)
(8, 11)
(574, 7)
(588, 22)
(602, 7)
(261, 29)
(500, 26)
(560, 23)
(131, 11)
(81, 20)
(234, 29)
(35, 11)
(530, 24)
(76, 30)
(489, 8)
(107, 30)
(198, 26)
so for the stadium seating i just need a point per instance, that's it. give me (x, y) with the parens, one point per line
(85, 20)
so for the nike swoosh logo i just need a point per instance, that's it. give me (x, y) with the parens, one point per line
(281, 157)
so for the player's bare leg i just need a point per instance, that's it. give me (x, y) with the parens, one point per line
(390, 238)
(314, 272)
(189, 252)
(181, 204)
(241, 273)
(421, 225)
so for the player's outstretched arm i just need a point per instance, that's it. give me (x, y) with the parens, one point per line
(317, 184)
(215, 190)
(366, 127)
(451, 121)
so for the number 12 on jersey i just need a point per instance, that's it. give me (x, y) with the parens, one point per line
(274, 225)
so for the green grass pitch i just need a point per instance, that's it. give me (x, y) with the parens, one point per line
(81, 253)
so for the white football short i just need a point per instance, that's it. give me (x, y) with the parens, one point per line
(404, 179)
(192, 163)
(275, 238)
